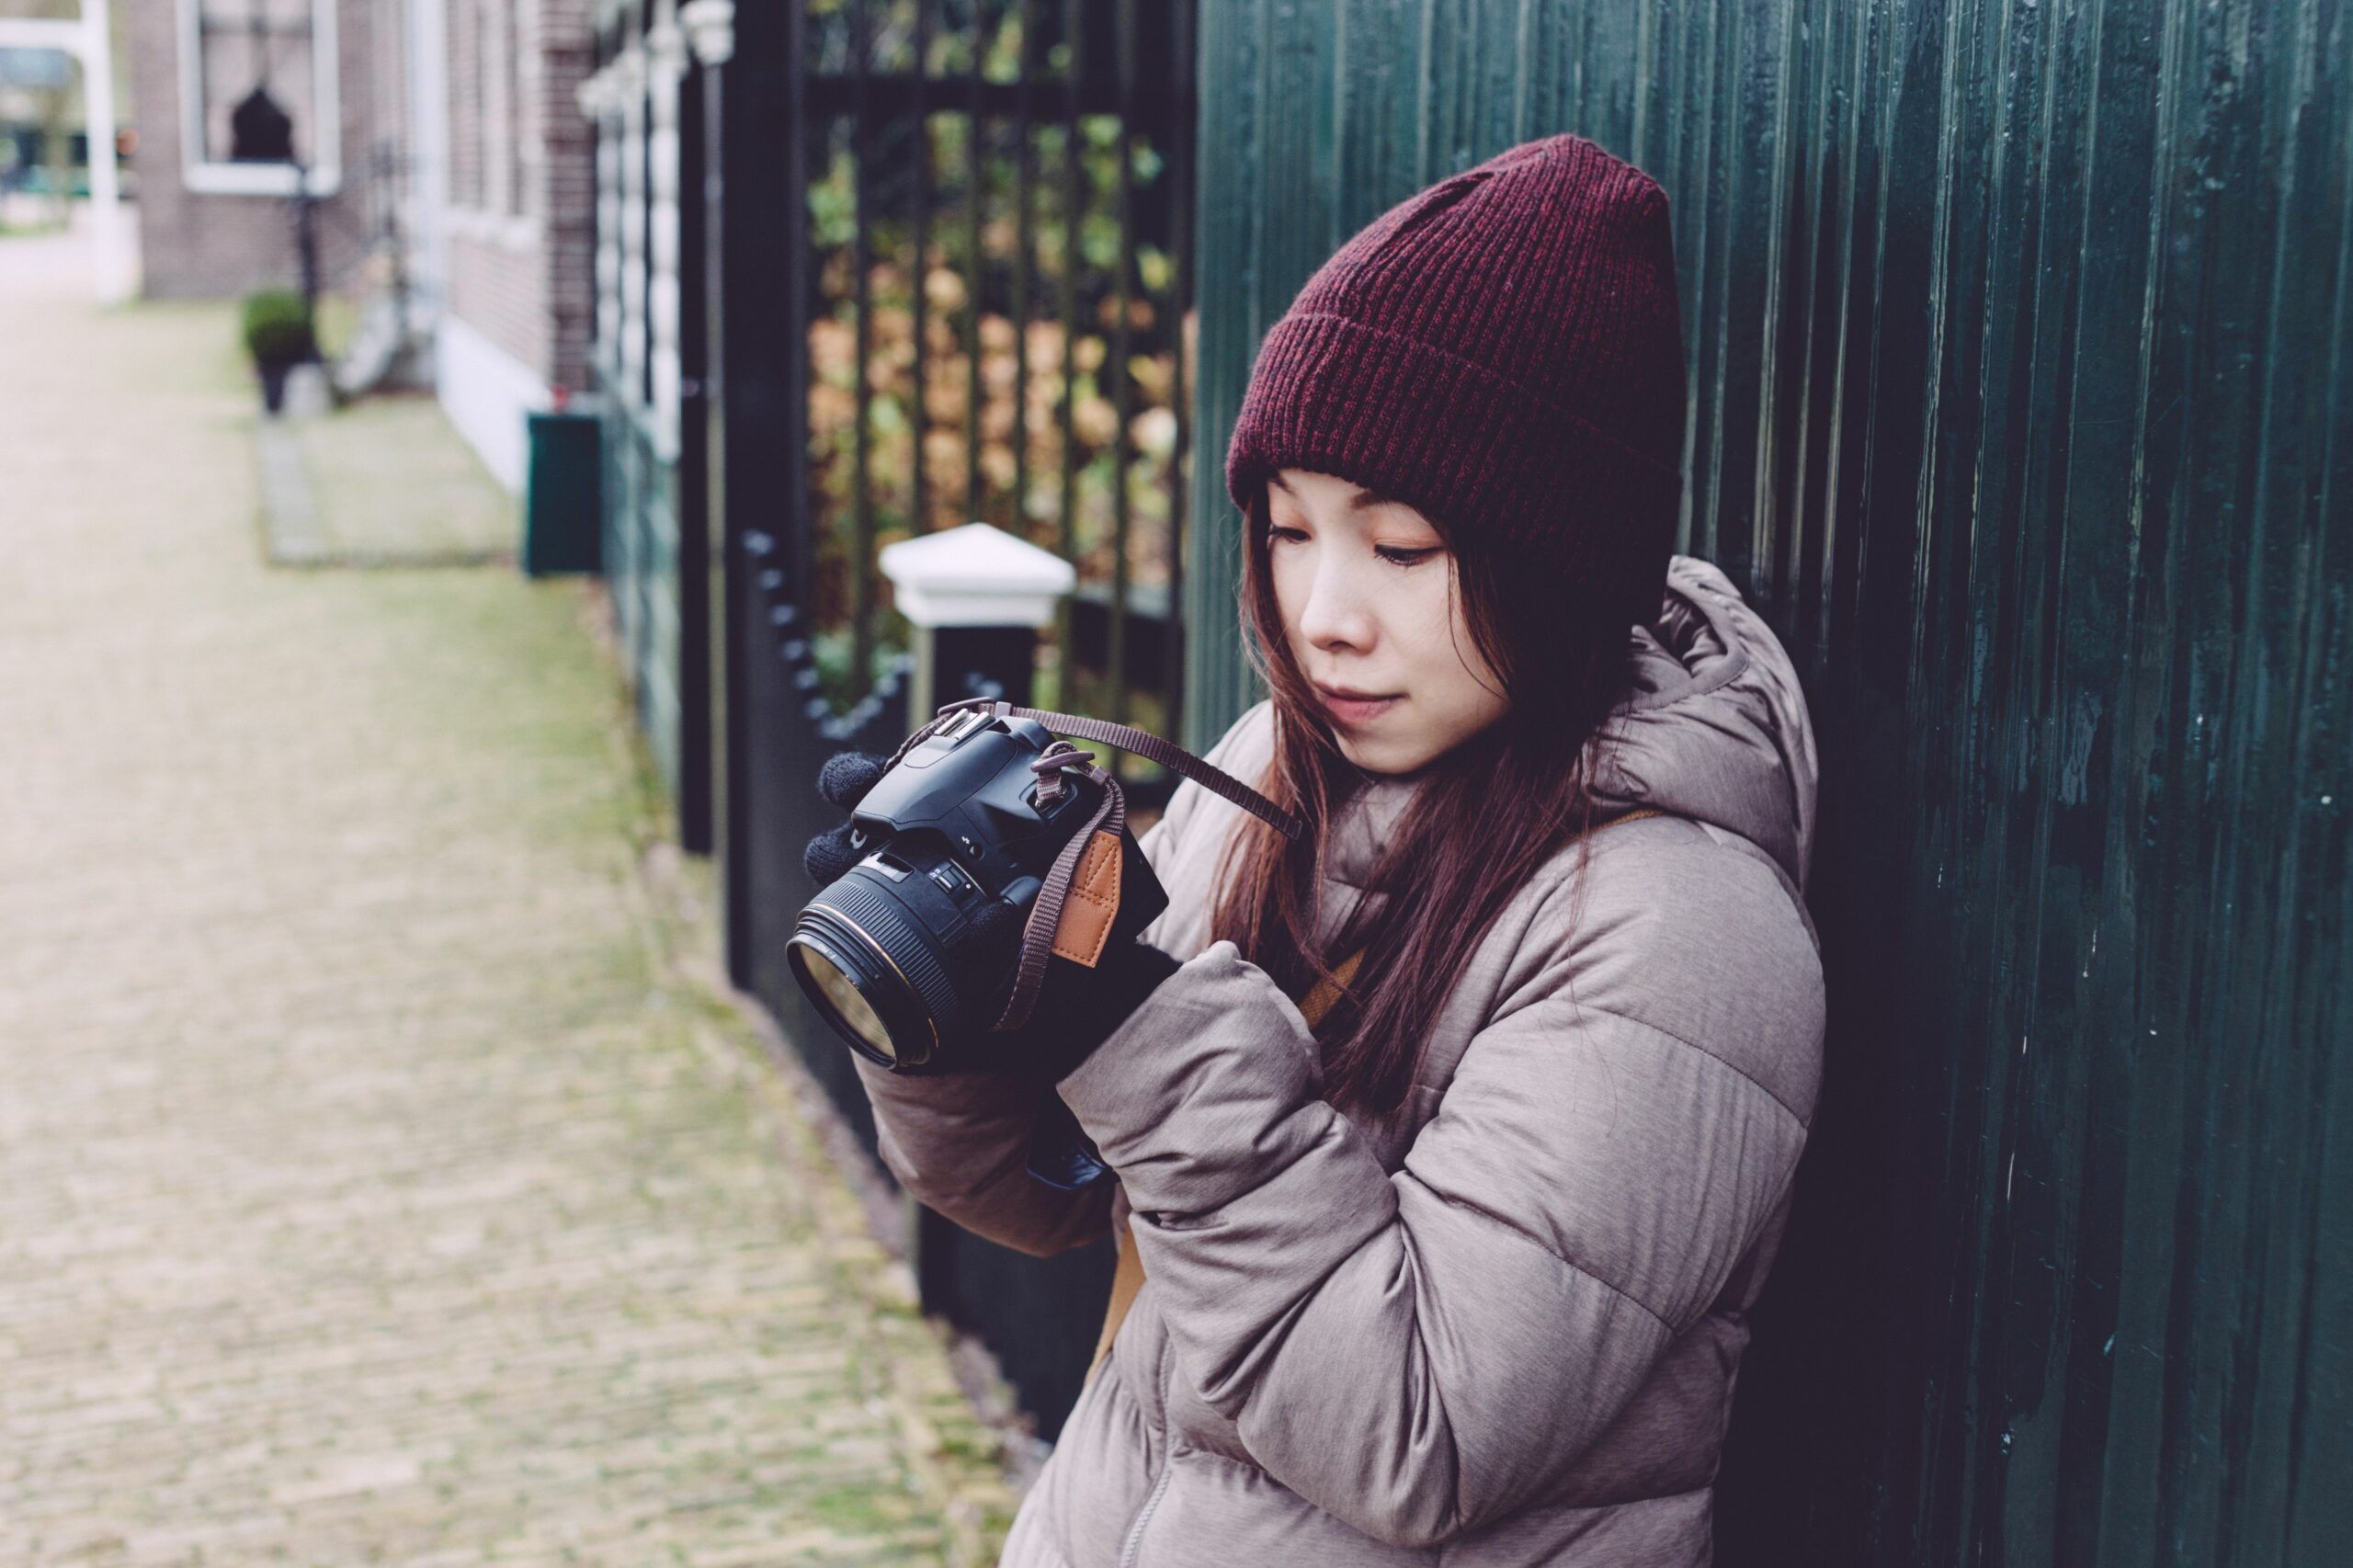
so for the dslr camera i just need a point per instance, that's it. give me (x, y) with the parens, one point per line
(984, 816)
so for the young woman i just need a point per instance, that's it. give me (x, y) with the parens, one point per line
(1458, 1270)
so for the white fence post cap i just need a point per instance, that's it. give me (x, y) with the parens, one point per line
(975, 576)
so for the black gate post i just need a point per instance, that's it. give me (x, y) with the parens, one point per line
(975, 597)
(754, 236)
(702, 757)
(710, 26)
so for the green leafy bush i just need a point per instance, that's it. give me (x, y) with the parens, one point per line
(275, 325)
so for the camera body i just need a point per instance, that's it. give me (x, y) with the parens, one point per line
(960, 823)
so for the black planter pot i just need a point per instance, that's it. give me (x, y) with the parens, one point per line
(273, 382)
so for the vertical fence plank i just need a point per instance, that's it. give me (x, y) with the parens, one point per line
(1177, 315)
(1219, 683)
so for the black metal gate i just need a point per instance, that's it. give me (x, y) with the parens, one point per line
(951, 245)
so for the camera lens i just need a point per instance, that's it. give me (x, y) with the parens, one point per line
(868, 965)
(850, 1013)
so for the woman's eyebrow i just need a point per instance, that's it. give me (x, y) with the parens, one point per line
(1364, 500)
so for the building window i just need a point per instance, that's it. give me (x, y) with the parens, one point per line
(493, 159)
(257, 96)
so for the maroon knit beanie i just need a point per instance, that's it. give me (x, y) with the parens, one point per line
(1504, 353)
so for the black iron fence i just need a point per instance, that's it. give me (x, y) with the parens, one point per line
(934, 269)
(996, 285)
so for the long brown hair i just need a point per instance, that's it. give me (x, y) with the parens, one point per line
(1486, 816)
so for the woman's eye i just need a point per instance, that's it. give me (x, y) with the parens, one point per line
(1396, 555)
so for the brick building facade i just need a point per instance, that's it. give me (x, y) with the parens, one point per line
(518, 218)
(213, 224)
(457, 130)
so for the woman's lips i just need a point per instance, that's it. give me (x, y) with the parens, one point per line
(1356, 710)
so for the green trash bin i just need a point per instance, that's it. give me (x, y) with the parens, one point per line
(563, 515)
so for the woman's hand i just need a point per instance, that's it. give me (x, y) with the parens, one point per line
(844, 780)
(1078, 1007)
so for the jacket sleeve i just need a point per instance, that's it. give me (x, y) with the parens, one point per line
(961, 1145)
(1611, 1142)
(960, 1142)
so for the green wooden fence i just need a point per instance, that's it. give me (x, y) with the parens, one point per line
(2021, 352)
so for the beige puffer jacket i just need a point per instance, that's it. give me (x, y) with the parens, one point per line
(1508, 1335)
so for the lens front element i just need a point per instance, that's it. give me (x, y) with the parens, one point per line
(864, 964)
(846, 1008)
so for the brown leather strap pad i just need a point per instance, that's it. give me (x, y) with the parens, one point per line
(1092, 903)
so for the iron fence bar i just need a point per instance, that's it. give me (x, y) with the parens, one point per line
(920, 522)
(861, 565)
(1123, 382)
(975, 190)
(793, 231)
(1074, 175)
(1025, 235)
(865, 107)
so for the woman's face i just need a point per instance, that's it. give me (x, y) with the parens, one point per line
(1371, 608)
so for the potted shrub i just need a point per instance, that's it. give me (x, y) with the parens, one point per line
(277, 329)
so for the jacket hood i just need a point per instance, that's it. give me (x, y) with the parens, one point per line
(1716, 731)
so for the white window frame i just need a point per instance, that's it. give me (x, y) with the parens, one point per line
(209, 177)
(472, 215)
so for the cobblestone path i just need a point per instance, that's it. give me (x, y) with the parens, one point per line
(376, 1184)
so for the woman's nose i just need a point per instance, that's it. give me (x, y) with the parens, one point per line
(1336, 613)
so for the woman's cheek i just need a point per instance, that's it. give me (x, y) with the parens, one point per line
(1436, 626)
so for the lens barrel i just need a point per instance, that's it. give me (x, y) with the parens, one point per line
(865, 960)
